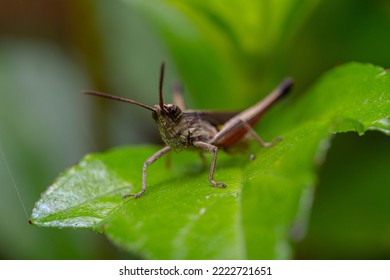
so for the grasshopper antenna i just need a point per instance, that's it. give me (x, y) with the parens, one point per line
(118, 98)
(161, 100)
(2, 155)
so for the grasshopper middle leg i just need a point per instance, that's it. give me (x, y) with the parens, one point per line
(214, 150)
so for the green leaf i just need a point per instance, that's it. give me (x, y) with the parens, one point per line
(182, 217)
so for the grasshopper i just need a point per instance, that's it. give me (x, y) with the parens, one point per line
(207, 131)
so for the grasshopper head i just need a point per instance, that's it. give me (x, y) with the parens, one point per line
(165, 113)
(169, 112)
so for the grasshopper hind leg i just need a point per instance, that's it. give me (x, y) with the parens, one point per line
(258, 139)
(214, 150)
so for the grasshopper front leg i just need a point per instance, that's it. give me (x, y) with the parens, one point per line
(214, 150)
(148, 162)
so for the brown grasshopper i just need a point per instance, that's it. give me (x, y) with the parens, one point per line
(182, 129)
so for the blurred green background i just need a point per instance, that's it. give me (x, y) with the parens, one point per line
(50, 50)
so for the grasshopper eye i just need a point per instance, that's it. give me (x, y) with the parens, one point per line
(174, 111)
(154, 115)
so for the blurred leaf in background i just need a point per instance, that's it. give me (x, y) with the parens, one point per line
(350, 217)
(231, 53)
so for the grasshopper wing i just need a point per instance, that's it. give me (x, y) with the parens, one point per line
(215, 118)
